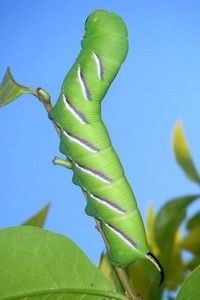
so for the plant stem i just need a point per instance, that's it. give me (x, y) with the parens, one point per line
(130, 292)
(45, 98)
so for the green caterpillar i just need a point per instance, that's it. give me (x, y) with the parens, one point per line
(87, 145)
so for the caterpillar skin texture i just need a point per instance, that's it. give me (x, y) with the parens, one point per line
(87, 145)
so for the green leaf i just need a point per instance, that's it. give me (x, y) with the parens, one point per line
(192, 241)
(36, 264)
(108, 271)
(182, 153)
(167, 234)
(10, 90)
(169, 219)
(39, 218)
(191, 287)
(150, 231)
(174, 268)
(144, 277)
(194, 221)
(193, 263)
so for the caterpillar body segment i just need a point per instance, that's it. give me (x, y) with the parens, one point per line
(86, 143)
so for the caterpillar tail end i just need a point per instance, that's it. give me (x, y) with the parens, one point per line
(150, 256)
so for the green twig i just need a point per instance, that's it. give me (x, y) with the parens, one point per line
(45, 98)
(129, 291)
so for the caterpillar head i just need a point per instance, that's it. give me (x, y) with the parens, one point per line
(102, 21)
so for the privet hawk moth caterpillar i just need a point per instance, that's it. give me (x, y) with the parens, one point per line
(86, 143)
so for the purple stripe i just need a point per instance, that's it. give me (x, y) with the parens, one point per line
(86, 143)
(95, 172)
(126, 237)
(87, 91)
(114, 205)
(77, 112)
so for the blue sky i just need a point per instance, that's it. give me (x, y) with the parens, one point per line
(158, 84)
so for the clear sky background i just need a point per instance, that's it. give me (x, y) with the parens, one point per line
(158, 84)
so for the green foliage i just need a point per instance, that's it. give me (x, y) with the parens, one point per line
(169, 219)
(191, 287)
(106, 268)
(39, 218)
(182, 153)
(168, 242)
(37, 264)
(167, 236)
(194, 221)
(10, 90)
